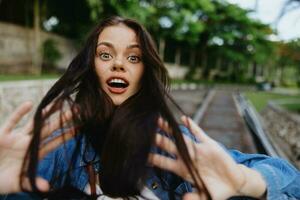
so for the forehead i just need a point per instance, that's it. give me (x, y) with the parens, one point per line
(118, 34)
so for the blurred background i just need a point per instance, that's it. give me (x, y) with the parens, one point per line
(248, 49)
(212, 41)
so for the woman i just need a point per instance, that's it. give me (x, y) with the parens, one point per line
(117, 85)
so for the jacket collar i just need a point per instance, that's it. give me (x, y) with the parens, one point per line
(88, 154)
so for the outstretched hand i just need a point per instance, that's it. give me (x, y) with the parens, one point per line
(15, 142)
(220, 176)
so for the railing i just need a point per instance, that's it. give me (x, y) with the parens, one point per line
(284, 129)
(253, 121)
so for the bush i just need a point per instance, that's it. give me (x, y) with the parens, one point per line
(51, 55)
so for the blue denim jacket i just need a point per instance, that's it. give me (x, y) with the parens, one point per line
(283, 180)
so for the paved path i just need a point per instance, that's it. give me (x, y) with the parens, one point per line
(222, 122)
(188, 100)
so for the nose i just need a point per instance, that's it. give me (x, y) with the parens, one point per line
(118, 66)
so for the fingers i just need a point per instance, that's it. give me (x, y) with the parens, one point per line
(191, 146)
(164, 125)
(50, 107)
(164, 163)
(16, 116)
(55, 142)
(188, 122)
(194, 196)
(42, 184)
(191, 196)
(195, 129)
(166, 144)
(169, 146)
(51, 126)
(28, 127)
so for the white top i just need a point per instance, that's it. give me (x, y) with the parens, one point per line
(145, 194)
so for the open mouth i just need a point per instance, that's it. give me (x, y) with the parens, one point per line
(117, 83)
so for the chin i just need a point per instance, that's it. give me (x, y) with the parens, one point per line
(117, 101)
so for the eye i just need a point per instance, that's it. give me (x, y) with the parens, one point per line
(134, 59)
(105, 56)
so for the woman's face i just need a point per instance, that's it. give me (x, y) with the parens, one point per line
(118, 62)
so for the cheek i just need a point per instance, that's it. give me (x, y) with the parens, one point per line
(139, 73)
(138, 78)
(101, 69)
(99, 73)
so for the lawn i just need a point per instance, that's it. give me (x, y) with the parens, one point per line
(260, 99)
(293, 107)
(27, 77)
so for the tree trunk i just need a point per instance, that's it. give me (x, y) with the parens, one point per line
(281, 75)
(219, 63)
(162, 45)
(206, 70)
(254, 70)
(193, 63)
(193, 58)
(249, 70)
(36, 60)
(177, 56)
(230, 71)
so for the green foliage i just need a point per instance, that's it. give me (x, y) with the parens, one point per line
(74, 20)
(292, 107)
(96, 8)
(288, 62)
(22, 77)
(205, 31)
(261, 99)
(51, 54)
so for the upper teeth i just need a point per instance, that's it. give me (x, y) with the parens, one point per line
(116, 80)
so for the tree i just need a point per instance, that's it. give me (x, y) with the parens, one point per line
(210, 35)
(288, 54)
(230, 39)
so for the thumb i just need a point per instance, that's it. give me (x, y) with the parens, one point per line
(191, 196)
(42, 184)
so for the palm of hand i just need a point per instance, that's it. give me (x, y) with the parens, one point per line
(14, 145)
(12, 151)
(219, 176)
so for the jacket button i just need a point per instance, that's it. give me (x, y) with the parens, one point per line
(154, 185)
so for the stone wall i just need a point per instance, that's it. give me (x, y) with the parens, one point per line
(283, 128)
(17, 48)
(175, 71)
(13, 94)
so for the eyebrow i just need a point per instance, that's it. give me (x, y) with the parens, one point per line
(105, 43)
(131, 46)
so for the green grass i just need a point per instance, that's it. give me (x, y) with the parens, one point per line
(260, 99)
(207, 82)
(27, 77)
(180, 81)
(292, 107)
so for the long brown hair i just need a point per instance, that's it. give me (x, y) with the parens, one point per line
(120, 135)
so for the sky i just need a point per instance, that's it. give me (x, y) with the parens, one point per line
(267, 11)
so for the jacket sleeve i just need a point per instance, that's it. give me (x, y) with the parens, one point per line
(283, 180)
(55, 166)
